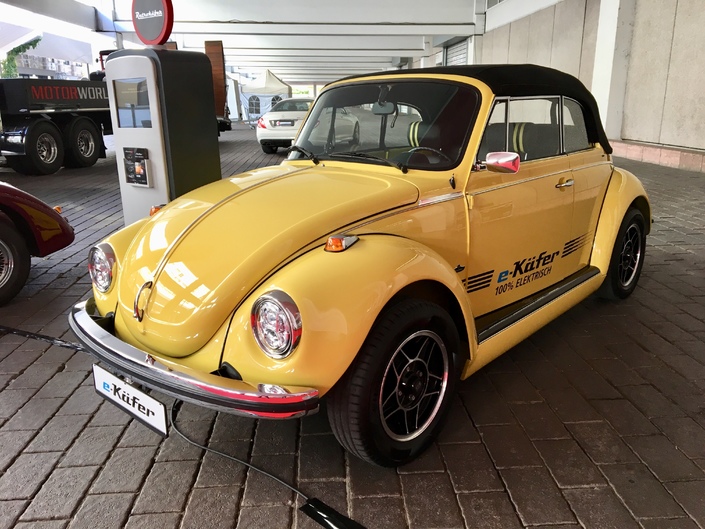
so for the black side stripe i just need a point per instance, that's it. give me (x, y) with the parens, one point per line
(478, 282)
(574, 245)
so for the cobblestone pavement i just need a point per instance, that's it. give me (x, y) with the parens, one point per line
(596, 421)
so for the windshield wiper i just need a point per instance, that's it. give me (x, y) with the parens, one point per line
(308, 154)
(403, 168)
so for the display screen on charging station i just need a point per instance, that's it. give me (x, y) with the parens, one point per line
(132, 102)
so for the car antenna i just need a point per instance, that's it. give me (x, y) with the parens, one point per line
(320, 512)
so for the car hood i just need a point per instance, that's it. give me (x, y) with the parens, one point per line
(203, 253)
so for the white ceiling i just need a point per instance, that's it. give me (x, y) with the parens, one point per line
(308, 41)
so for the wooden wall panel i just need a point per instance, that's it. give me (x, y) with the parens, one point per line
(214, 50)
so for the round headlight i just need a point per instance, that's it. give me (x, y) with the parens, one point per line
(276, 324)
(101, 261)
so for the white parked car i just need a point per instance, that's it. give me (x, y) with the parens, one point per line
(278, 127)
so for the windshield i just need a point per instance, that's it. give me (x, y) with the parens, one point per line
(416, 124)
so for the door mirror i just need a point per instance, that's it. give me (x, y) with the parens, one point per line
(502, 162)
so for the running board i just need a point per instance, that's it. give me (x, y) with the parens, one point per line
(494, 322)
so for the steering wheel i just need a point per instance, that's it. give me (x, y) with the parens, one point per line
(429, 149)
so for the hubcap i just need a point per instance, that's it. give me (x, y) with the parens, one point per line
(630, 257)
(414, 386)
(85, 143)
(47, 148)
(7, 263)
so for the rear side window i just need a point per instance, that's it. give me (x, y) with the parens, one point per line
(534, 130)
(575, 136)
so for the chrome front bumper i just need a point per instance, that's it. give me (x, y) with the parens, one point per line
(204, 389)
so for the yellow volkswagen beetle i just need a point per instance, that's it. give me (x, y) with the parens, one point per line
(476, 204)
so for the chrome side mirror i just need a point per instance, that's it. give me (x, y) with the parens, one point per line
(502, 162)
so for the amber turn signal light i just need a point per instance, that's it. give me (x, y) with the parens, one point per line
(340, 243)
(155, 209)
(57, 209)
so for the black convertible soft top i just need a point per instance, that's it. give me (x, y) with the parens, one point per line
(523, 80)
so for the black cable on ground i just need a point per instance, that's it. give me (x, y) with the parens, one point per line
(42, 338)
(324, 514)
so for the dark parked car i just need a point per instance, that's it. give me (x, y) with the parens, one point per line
(28, 227)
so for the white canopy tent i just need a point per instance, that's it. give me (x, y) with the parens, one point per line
(259, 95)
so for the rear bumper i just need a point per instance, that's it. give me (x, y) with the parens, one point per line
(204, 389)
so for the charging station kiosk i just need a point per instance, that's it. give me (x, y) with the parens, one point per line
(164, 125)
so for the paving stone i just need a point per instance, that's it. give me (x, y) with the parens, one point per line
(316, 423)
(275, 437)
(633, 355)
(33, 415)
(685, 365)
(125, 471)
(487, 407)
(110, 415)
(599, 508)
(277, 517)
(321, 458)
(470, 468)
(651, 402)
(685, 433)
(231, 428)
(509, 447)
(691, 496)
(489, 510)
(58, 434)
(430, 501)
(568, 463)
(21, 358)
(539, 421)
(62, 385)
(668, 381)
(366, 479)
(24, 477)
(61, 493)
(624, 417)
(569, 405)
(616, 372)
(536, 496)
(218, 471)
(12, 443)
(176, 448)
(9, 512)
(379, 512)
(12, 400)
(592, 385)
(458, 427)
(669, 523)
(104, 511)
(138, 435)
(42, 524)
(93, 446)
(35, 376)
(601, 443)
(175, 476)
(643, 495)
(543, 375)
(83, 401)
(214, 507)
(154, 521)
(261, 489)
(515, 387)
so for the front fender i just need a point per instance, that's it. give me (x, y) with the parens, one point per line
(339, 295)
(624, 190)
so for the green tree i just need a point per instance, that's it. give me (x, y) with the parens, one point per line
(8, 67)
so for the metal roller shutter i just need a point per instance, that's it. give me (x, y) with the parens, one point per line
(457, 54)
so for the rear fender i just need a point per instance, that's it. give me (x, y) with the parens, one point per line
(624, 191)
(339, 295)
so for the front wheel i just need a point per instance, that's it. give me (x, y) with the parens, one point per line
(391, 402)
(14, 262)
(627, 257)
(45, 150)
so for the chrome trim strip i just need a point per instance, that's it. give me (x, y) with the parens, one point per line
(518, 182)
(589, 166)
(438, 199)
(204, 389)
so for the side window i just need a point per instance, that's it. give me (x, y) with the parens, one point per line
(534, 130)
(495, 137)
(575, 136)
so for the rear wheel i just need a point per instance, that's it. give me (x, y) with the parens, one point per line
(82, 143)
(269, 149)
(391, 402)
(44, 148)
(14, 262)
(627, 257)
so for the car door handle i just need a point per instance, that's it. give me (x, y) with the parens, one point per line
(567, 183)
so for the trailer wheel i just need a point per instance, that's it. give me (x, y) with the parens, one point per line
(82, 143)
(44, 148)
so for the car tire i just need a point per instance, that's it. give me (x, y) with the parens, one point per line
(82, 143)
(14, 262)
(627, 257)
(407, 369)
(269, 149)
